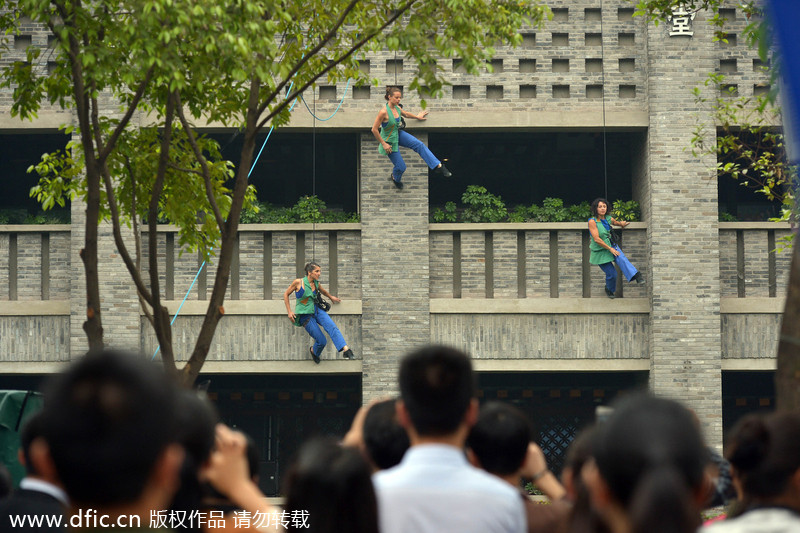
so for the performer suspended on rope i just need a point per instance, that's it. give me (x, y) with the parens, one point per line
(604, 251)
(308, 314)
(388, 130)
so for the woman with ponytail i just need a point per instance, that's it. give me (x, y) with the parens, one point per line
(764, 452)
(389, 131)
(647, 471)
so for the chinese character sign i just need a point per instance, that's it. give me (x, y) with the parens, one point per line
(681, 21)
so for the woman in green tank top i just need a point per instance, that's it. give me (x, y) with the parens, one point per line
(310, 316)
(603, 252)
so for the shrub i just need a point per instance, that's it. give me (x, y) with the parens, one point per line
(482, 206)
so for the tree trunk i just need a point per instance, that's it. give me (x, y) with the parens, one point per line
(787, 377)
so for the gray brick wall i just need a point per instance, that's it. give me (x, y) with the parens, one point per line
(684, 239)
(395, 266)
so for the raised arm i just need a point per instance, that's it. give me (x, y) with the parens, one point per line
(330, 296)
(422, 115)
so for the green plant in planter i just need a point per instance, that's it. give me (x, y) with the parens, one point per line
(309, 209)
(724, 216)
(449, 214)
(521, 213)
(579, 212)
(628, 211)
(482, 206)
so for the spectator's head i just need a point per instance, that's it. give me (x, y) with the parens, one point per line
(332, 484)
(437, 391)
(110, 425)
(31, 430)
(764, 451)
(385, 440)
(649, 465)
(499, 439)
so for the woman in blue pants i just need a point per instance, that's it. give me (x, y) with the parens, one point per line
(310, 316)
(387, 129)
(604, 253)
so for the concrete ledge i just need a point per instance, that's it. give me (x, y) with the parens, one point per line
(751, 306)
(327, 366)
(539, 306)
(755, 225)
(32, 367)
(254, 307)
(750, 364)
(520, 226)
(34, 308)
(561, 365)
(35, 228)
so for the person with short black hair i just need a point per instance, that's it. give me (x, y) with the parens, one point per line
(39, 494)
(764, 452)
(500, 442)
(385, 440)
(308, 314)
(109, 426)
(434, 488)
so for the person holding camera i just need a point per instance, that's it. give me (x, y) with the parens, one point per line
(310, 312)
(604, 251)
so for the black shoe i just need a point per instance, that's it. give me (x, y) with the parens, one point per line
(639, 278)
(397, 184)
(348, 354)
(314, 356)
(441, 169)
(609, 293)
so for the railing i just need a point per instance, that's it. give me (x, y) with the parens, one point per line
(467, 262)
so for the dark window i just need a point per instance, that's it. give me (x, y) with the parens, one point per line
(285, 171)
(527, 167)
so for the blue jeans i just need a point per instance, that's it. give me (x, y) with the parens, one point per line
(312, 324)
(611, 275)
(407, 140)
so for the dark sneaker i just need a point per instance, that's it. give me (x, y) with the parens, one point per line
(443, 171)
(609, 293)
(348, 354)
(639, 278)
(313, 355)
(397, 184)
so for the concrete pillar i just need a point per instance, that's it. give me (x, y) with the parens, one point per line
(681, 211)
(395, 272)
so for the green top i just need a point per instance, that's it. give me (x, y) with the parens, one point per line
(389, 132)
(305, 301)
(600, 255)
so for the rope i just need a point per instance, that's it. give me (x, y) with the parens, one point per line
(253, 166)
(603, 85)
(314, 169)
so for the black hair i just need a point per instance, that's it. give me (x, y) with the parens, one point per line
(652, 457)
(310, 266)
(385, 439)
(32, 429)
(332, 484)
(436, 386)
(390, 90)
(107, 420)
(500, 438)
(196, 424)
(596, 202)
(764, 450)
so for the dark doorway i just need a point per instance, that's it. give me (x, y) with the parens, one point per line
(744, 393)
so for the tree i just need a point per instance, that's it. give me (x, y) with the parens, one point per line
(767, 166)
(238, 63)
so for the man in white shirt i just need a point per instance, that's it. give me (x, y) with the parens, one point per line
(434, 488)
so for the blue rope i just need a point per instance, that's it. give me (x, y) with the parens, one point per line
(269, 133)
(337, 107)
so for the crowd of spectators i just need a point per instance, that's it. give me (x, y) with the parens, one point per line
(118, 446)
